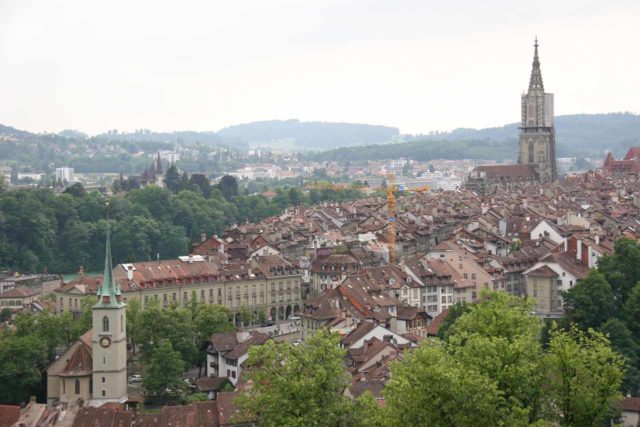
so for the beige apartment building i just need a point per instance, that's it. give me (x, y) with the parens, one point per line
(268, 284)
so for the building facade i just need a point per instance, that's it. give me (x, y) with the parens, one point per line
(537, 143)
(537, 132)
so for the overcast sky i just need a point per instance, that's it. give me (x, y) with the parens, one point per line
(419, 65)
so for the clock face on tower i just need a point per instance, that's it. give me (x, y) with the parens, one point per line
(105, 342)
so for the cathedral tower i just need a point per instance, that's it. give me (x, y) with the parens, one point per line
(537, 132)
(109, 342)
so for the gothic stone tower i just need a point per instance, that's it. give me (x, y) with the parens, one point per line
(537, 133)
(109, 341)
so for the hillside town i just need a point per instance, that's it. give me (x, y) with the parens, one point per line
(482, 258)
(327, 267)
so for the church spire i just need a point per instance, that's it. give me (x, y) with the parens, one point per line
(536, 75)
(108, 293)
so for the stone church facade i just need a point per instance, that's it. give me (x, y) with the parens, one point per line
(537, 142)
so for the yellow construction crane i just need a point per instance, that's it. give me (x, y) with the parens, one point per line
(391, 218)
(391, 214)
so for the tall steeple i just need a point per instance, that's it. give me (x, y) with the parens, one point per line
(108, 293)
(535, 83)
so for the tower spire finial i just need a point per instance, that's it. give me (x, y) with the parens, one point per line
(108, 293)
(536, 75)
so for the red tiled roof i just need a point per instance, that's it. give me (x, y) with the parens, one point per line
(20, 292)
(544, 271)
(9, 415)
(80, 363)
(631, 404)
(433, 328)
(508, 171)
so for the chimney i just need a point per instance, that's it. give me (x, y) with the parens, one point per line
(203, 237)
(525, 204)
(579, 250)
(597, 238)
(190, 258)
(130, 272)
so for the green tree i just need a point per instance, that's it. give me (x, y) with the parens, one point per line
(172, 179)
(297, 385)
(295, 196)
(76, 190)
(591, 302)
(622, 269)
(228, 185)
(585, 375)
(201, 181)
(172, 323)
(134, 322)
(631, 311)
(245, 316)
(500, 337)
(22, 358)
(163, 373)
(5, 315)
(430, 387)
(455, 311)
(623, 342)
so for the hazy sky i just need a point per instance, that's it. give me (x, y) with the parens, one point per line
(202, 65)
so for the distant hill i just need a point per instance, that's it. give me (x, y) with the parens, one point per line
(309, 135)
(578, 135)
(178, 137)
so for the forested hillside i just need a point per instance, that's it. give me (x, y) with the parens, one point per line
(40, 230)
(579, 135)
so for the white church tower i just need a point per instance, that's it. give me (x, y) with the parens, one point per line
(109, 341)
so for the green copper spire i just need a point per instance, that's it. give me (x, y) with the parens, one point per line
(108, 293)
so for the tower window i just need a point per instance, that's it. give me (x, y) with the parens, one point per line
(104, 393)
(104, 379)
(105, 324)
(121, 323)
(77, 386)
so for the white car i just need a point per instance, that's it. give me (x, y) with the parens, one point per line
(133, 379)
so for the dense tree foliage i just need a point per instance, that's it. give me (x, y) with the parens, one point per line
(30, 348)
(492, 370)
(608, 300)
(163, 373)
(300, 385)
(41, 230)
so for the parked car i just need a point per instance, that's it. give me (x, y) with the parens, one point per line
(135, 379)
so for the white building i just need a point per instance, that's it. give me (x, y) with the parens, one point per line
(226, 352)
(64, 174)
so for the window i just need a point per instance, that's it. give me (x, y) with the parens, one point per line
(202, 294)
(185, 297)
(473, 276)
(146, 299)
(104, 393)
(465, 276)
(173, 296)
(105, 324)
(77, 386)
(104, 379)
(121, 323)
